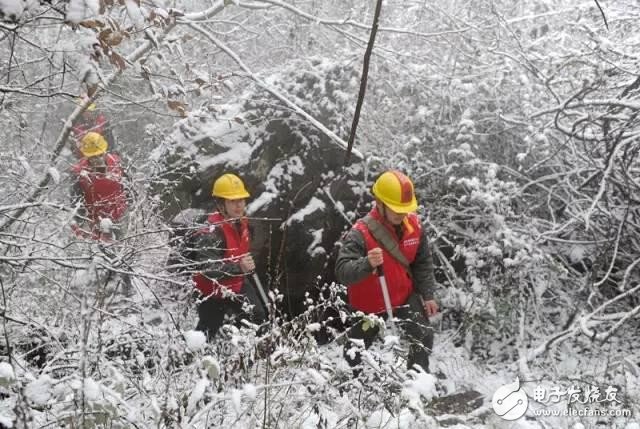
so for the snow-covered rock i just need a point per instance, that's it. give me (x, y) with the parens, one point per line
(302, 199)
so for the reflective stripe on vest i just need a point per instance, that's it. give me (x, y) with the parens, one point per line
(366, 294)
(236, 246)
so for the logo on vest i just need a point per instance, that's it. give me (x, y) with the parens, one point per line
(411, 242)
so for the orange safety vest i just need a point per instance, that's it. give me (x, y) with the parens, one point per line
(236, 246)
(104, 194)
(366, 295)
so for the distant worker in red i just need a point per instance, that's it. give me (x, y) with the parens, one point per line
(100, 184)
(225, 264)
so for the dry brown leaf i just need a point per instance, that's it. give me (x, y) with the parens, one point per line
(178, 106)
(115, 39)
(91, 89)
(104, 34)
(117, 61)
(92, 23)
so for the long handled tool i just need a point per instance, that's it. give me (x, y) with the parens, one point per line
(387, 300)
(244, 221)
(263, 295)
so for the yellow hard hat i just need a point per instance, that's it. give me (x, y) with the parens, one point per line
(396, 191)
(93, 144)
(230, 187)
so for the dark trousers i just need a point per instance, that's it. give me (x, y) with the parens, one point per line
(413, 323)
(214, 311)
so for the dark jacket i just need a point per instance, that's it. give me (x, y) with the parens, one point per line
(210, 251)
(352, 264)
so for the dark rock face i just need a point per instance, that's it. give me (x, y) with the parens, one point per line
(302, 198)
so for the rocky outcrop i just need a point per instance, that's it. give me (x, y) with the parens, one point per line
(302, 197)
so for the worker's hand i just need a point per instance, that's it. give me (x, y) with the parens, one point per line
(430, 307)
(246, 264)
(375, 257)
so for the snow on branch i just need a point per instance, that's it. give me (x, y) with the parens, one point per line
(603, 182)
(11, 89)
(135, 56)
(248, 73)
(435, 34)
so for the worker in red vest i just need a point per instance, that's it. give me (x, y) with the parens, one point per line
(390, 241)
(100, 184)
(225, 263)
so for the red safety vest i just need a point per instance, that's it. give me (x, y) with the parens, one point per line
(366, 295)
(236, 246)
(104, 194)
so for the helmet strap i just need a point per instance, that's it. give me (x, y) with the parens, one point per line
(381, 209)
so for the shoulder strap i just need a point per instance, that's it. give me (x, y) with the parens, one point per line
(383, 236)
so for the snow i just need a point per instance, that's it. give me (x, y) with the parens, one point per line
(28, 171)
(405, 418)
(93, 6)
(236, 400)
(391, 340)
(196, 340)
(314, 327)
(39, 391)
(314, 205)
(79, 10)
(6, 373)
(164, 384)
(422, 384)
(12, 7)
(263, 200)
(83, 277)
(380, 419)
(212, 366)
(314, 249)
(55, 175)
(250, 391)
(325, 418)
(317, 377)
(6, 421)
(187, 216)
(197, 394)
(106, 225)
(236, 157)
(577, 254)
(91, 389)
(133, 10)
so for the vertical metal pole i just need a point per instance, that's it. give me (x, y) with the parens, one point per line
(387, 301)
(261, 291)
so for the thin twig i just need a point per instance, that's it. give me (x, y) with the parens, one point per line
(363, 81)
